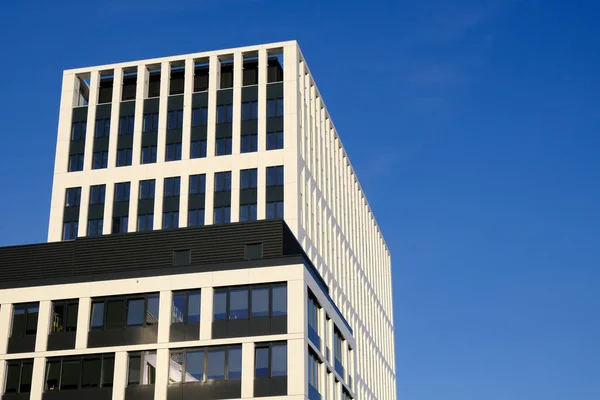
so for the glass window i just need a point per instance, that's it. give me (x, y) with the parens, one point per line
(223, 146)
(234, 363)
(279, 300)
(260, 302)
(126, 125)
(193, 314)
(100, 160)
(198, 149)
(216, 364)
(64, 316)
(197, 183)
(92, 369)
(175, 119)
(261, 362)
(147, 189)
(78, 130)
(275, 210)
(172, 186)
(178, 314)
(196, 217)
(97, 194)
(200, 116)
(220, 305)
(248, 212)
(115, 314)
(275, 107)
(13, 376)
(120, 224)
(73, 197)
(52, 375)
(134, 370)
(238, 303)
(71, 368)
(275, 176)
(135, 312)
(170, 220)
(124, 157)
(279, 360)
(223, 181)
(248, 178)
(75, 162)
(145, 222)
(249, 143)
(19, 318)
(249, 110)
(148, 154)
(224, 113)
(97, 320)
(222, 215)
(26, 375)
(150, 122)
(70, 230)
(95, 227)
(274, 140)
(194, 366)
(122, 190)
(102, 127)
(173, 152)
(152, 311)
(176, 367)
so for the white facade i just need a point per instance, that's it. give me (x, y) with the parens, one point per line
(324, 204)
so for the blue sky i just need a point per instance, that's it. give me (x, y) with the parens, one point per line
(473, 127)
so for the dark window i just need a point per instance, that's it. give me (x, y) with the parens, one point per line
(122, 190)
(222, 215)
(253, 251)
(186, 307)
(145, 222)
(275, 210)
(150, 122)
(175, 119)
(172, 186)
(198, 149)
(100, 160)
(64, 316)
(181, 257)
(70, 230)
(249, 110)
(126, 125)
(249, 143)
(196, 217)
(248, 212)
(224, 113)
(314, 310)
(275, 176)
(270, 360)
(25, 319)
(148, 154)
(338, 341)
(78, 130)
(95, 227)
(73, 197)
(102, 128)
(142, 368)
(170, 220)
(75, 162)
(238, 302)
(173, 152)
(223, 146)
(197, 183)
(314, 367)
(275, 107)
(79, 372)
(121, 311)
(18, 376)
(223, 181)
(200, 116)
(147, 189)
(274, 140)
(124, 157)
(205, 364)
(97, 194)
(154, 84)
(120, 224)
(248, 178)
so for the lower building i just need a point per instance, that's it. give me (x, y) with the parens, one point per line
(217, 312)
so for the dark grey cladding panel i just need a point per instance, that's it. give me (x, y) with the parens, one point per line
(175, 102)
(71, 214)
(275, 386)
(127, 108)
(184, 332)
(198, 133)
(151, 105)
(211, 390)
(223, 130)
(250, 93)
(274, 124)
(101, 143)
(145, 206)
(124, 142)
(224, 96)
(149, 138)
(80, 114)
(77, 147)
(247, 196)
(121, 337)
(171, 204)
(103, 111)
(274, 90)
(61, 341)
(222, 199)
(21, 344)
(96, 211)
(144, 392)
(274, 193)
(249, 127)
(200, 99)
(87, 394)
(15, 396)
(249, 327)
(174, 136)
(196, 201)
(121, 209)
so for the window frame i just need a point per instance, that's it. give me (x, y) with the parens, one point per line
(100, 159)
(222, 181)
(66, 304)
(97, 194)
(75, 194)
(278, 141)
(249, 288)
(249, 143)
(128, 121)
(78, 158)
(175, 119)
(150, 122)
(26, 315)
(148, 154)
(196, 212)
(172, 186)
(78, 130)
(224, 113)
(205, 350)
(223, 146)
(80, 359)
(125, 299)
(269, 346)
(170, 220)
(73, 229)
(124, 157)
(251, 180)
(186, 293)
(104, 125)
(151, 193)
(125, 189)
(173, 152)
(141, 355)
(200, 116)
(20, 363)
(198, 149)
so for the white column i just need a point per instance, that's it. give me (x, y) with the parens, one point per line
(84, 205)
(238, 69)
(209, 198)
(297, 307)
(43, 326)
(206, 313)
(162, 374)
(261, 187)
(165, 78)
(214, 74)
(184, 191)
(37, 378)
(247, 370)
(134, 189)
(141, 89)
(83, 321)
(262, 99)
(164, 316)
(2, 374)
(108, 208)
(187, 110)
(297, 367)
(6, 311)
(91, 120)
(120, 375)
(114, 117)
(235, 195)
(158, 201)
